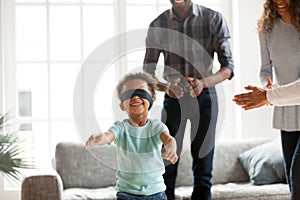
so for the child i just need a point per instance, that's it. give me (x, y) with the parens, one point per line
(139, 141)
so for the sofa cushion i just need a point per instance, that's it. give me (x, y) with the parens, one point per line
(238, 191)
(226, 166)
(264, 163)
(92, 168)
(107, 193)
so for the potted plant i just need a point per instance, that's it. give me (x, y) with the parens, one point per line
(12, 157)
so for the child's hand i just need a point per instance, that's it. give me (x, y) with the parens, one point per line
(170, 151)
(92, 141)
(100, 139)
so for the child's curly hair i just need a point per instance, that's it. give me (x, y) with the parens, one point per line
(266, 22)
(148, 78)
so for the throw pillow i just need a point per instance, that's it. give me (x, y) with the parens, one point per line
(264, 163)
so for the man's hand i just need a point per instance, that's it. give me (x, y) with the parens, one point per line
(174, 90)
(196, 87)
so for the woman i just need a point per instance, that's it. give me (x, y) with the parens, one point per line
(279, 32)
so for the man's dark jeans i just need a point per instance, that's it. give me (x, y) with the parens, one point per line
(202, 113)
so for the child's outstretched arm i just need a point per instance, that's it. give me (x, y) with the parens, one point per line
(100, 139)
(170, 147)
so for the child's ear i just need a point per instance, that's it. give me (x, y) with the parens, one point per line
(122, 107)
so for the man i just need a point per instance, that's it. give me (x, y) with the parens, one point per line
(188, 35)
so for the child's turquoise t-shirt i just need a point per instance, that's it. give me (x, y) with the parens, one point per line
(140, 165)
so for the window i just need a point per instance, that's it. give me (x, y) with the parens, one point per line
(51, 40)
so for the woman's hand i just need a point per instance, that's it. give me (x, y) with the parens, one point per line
(270, 85)
(254, 99)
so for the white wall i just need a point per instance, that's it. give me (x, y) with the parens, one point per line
(8, 194)
(1, 61)
(242, 16)
(258, 122)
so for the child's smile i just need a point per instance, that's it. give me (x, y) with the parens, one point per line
(136, 104)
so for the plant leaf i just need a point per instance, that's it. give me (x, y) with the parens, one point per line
(11, 150)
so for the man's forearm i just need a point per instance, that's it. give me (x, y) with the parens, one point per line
(221, 75)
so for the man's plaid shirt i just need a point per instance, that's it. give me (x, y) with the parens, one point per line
(168, 33)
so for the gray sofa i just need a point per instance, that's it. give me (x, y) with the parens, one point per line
(90, 174)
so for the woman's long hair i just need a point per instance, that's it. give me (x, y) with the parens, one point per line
(266, 22)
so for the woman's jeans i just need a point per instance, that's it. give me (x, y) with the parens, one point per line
(126, 196)
(202, 113)
(291, 153)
